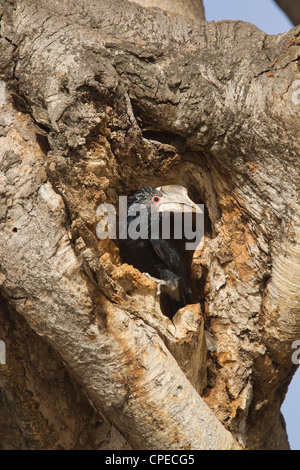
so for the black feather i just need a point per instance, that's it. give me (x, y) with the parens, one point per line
(162, 259)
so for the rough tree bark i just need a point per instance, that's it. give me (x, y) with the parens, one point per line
(192, 9)
(98, 99)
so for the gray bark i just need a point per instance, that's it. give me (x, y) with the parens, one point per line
(99, 99)
(192, 9)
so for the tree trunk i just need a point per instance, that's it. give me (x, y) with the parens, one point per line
(99, 99)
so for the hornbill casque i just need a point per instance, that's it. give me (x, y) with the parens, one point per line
(165, 260)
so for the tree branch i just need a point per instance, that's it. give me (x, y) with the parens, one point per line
(292, 9)
(192, 9)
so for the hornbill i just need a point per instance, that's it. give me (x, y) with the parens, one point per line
(163, 258)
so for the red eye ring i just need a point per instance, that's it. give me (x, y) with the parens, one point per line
(156, 199)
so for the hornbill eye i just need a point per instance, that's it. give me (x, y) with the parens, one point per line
(156, 199)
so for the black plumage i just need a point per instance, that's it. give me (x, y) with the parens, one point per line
(164, 259)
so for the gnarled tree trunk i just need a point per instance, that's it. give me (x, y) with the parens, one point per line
(98, 99)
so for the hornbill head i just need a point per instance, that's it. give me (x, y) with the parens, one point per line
(171, 198)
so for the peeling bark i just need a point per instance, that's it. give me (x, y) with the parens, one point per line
(99, 99)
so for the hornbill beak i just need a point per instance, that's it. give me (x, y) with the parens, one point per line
(176, 199)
